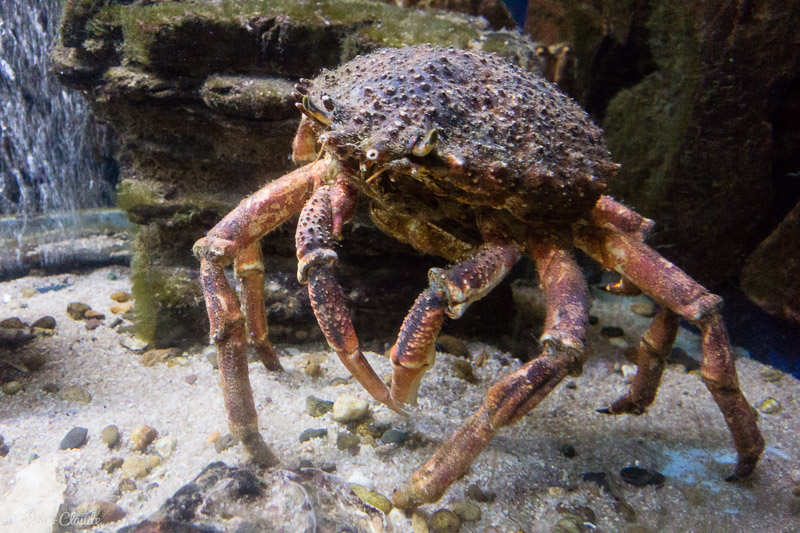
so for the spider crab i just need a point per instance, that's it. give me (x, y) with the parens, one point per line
(462, 155)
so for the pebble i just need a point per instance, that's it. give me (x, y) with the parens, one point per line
(121, 297)
(568, 450)
(93, 323)
(3, 447)
(99, 512)
(770, 406)
(135, 466)
(312, 434)
(133, 344)
(119, 309)
(50, 388)
(345, 441)
(479, 495)
(794, 474)
(126, 485)
(77, 310)
(142, 437)
(463, 370)
(13, 323)
(418, 523)
(92, 314)
(316, 407)
(646, 308)
(796, 491)
(452, 345)
(224, 442)
(628, 371)
(619, 342)
(771, 375)
(11, 388)
(162, 355)
(28, 292)
(612, 331)
(75, 394)
(165, 446)
(110, 435)
(190, 379)
(445, 521)
(348, 408)
(153, 461)
(467, 511)
(46, 322)
(375, 499)
(641, 477)
(357, 477)
(394, 436)
(75, 438)
(109, 465)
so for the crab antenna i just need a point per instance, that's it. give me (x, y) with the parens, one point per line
(424, 146)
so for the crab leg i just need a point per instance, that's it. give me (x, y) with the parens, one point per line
(650, 359)
(316, 260)
(450, 291)
(249, 268)
(672, 288)
(513, 396)
(232, 237)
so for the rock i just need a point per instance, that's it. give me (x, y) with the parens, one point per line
(375, 499)
(77, 310)
(75, 394)
(445, 521)
(109, 465)
(110, 435)
(13, 323)
(153, 461)
(394, 436)
(11, 388)
(119, 309)
(50, 388)
(467, 511)
(641, 477)
(345, 441)
(133, 344)
(646, 308)
(771, 375)
(628, 372)
(612, 331)
(311, 433)
(142, 437)
(75, 438)
(463, 370)
(95, 513)
(316, 407)
(34, 361)
(770, 406)
(479, 495)
(452, 345)
(120, 297)
(135, 466)
(224, 442)
(34, 498)
(165, 446)
(93, 323)
(126, 485)
(46, 322)
(92, 314)
(190, 379)
(568, 450)
(154, 357)
(418, 523)
(348, 408)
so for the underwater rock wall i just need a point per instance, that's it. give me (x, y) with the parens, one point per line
(695, 99)
(200, 95)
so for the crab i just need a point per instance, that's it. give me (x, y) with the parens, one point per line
(461, 155)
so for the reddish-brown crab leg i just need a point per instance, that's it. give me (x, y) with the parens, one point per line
(451, 291)
(249, 268)
(672, 288)
(233, 235)
(517, 393)
(651, 356)
(316, 263)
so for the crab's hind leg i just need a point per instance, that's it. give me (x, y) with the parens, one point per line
(249, 268)
(316, 263)
(675, 290)
(232, 239)
(517, 393)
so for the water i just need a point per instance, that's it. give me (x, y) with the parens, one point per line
(54, 156)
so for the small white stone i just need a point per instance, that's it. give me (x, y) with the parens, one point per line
(358, 478)
(348, 408)
(628, 371)
(619, 342)
(165, 446)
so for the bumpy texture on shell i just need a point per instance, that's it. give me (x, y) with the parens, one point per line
(507, 138)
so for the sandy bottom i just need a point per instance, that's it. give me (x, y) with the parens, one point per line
(683, 435)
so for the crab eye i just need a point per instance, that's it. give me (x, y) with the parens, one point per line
(372, 154)
(311, 111)
(425, 145)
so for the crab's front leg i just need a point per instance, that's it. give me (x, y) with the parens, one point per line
(234, 239)
(316, 263)
(517, 393)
